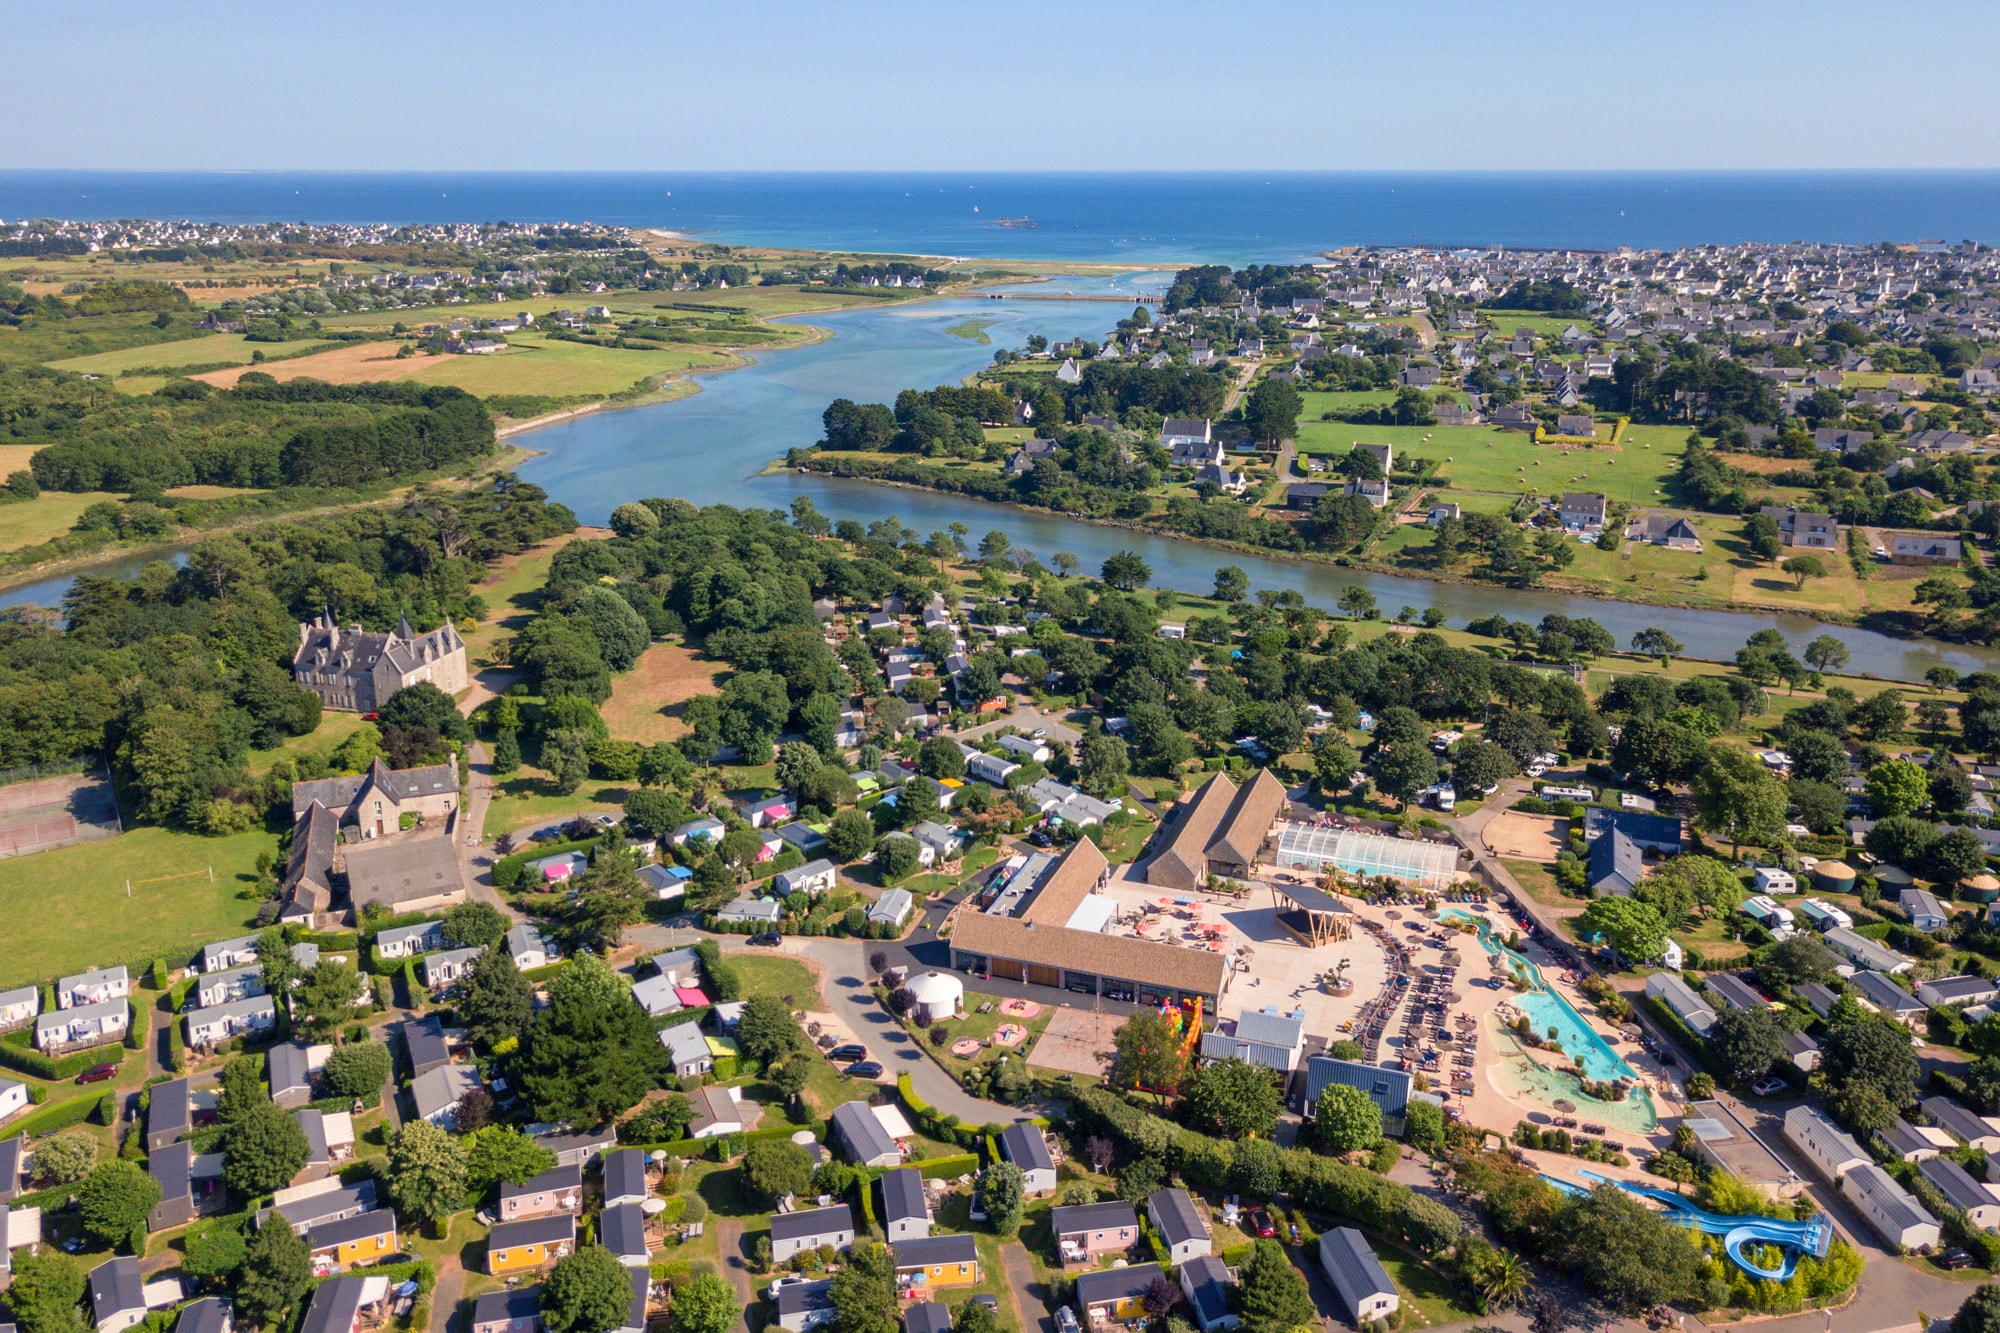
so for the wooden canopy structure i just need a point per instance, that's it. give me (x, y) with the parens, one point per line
(1313, 916)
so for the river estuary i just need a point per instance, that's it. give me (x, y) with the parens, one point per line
(709, 448)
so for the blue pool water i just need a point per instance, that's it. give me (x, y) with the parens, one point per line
(1547, 1009)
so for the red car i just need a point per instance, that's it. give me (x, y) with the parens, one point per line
(97, 1074)
(1260, 1223)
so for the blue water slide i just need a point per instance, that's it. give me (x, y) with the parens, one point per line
(1792, 1238)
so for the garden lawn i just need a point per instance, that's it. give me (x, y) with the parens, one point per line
(981, 1026)
(43, 939)
(932, 883)
(333, 728)
(527, 798)
(1540, 882)
(1433, 1299)
(773, 974)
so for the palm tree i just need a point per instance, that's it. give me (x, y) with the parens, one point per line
(1501, 1279)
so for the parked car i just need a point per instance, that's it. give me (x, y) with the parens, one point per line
(1039, 839)
(97, 1074)
(864, 1069)
(780, 1283)
(1260, 1223)
(606, 821)
(1769, 1087)
(1066, 1321)
(854, 1050)
(769, 939)
(1955, 1260)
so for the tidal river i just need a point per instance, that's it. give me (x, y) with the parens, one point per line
(708, 448)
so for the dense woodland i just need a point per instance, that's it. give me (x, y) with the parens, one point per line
(261, 433)
(176, 675)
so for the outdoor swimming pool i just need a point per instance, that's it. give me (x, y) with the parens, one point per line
(1547, 1009)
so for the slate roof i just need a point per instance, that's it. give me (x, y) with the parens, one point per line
(1112, 1284)
(1208, 1279)
(1174, 1213)
(115, 1285)
(952, 1249)
(393, 871)
(1024, 1146)
(621, 1229)
(903, 1195)
(1616, 863)
(334, 1305)
(812, 1222)
(1355, 1271)
(861, 1132)
(1956, 1184)
(625, 1174)
(1106, 1216)
(926, 1317)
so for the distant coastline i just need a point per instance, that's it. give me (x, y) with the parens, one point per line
(1224, 217)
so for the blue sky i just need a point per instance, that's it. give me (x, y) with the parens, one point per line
(1024, 85)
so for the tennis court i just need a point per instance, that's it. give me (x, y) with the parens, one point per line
(1413, 860)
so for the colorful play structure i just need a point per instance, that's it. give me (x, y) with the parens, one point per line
(1187, 1015)
(1737, 1231)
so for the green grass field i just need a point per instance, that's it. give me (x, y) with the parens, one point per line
(208, 350)
(1316, 403)
(534, 365)
(773, 974)
(91, 921)
(1545, 326)
(49, 515)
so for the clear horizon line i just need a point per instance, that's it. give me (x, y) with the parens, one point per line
(1019, 171)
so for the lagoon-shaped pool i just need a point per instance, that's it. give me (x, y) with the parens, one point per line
(1525, 1079)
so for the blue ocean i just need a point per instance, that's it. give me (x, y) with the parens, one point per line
(1216, 217)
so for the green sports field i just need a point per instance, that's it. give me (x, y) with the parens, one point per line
(67, 910)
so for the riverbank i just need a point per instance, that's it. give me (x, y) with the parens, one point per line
(1645, 595)
(13, 577)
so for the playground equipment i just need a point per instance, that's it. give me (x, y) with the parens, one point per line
(1187, 1016)
(1737, 1231)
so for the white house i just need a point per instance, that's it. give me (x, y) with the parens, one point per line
(410, 941)
(688, 1049)
(892, 908)
(13, 1098)
(528, 948)
(1831, 1150)
(446, 968)
(1861, 951)
(111, 983)
(1926, 913)
(989, 768)
(1680, 998)
(1357, 1275)
(212, 1026)
(18, 1006)
(1957, 991)
(87, 1024)
(1898, 1218)
(813, 877)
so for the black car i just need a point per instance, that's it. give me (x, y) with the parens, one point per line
(864, 1069)
(768, 938)
(854, 1050)
(1955, 1260)
(1039, 839)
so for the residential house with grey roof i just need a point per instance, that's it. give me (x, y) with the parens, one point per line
(792, 1233)
(862, 1136)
